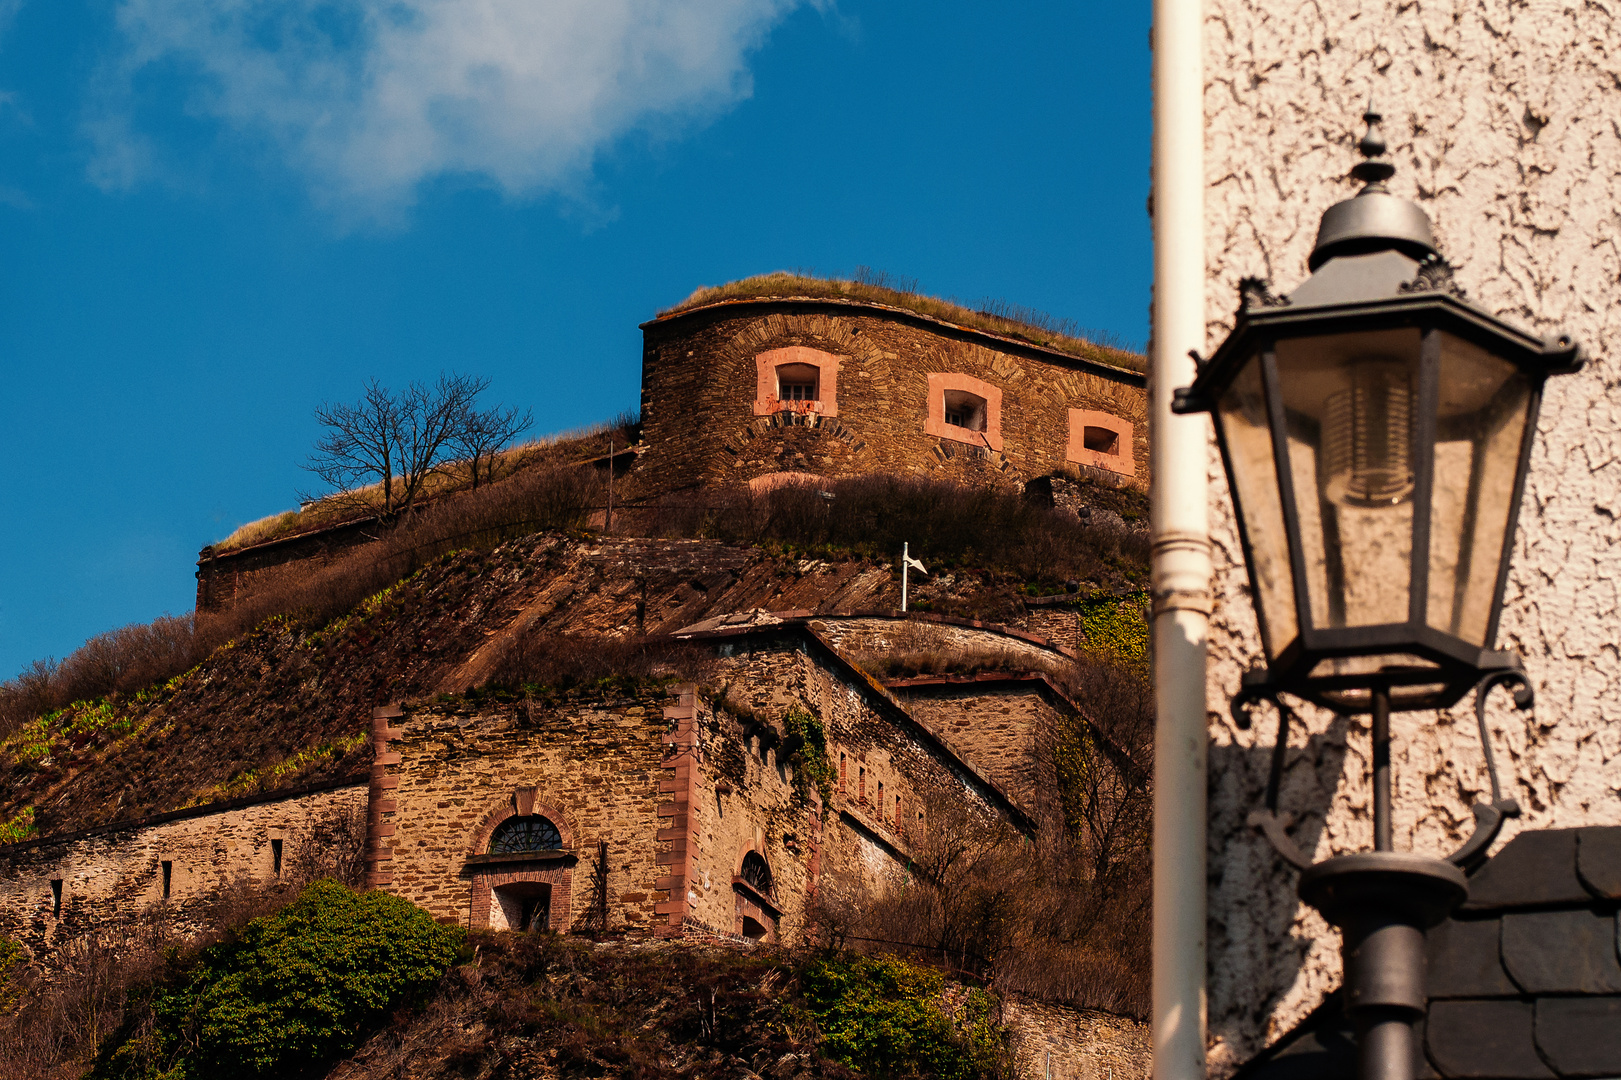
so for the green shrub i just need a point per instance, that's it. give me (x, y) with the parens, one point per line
(293, 990)
(895, 1020)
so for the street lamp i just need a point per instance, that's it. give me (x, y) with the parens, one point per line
(1376, 429)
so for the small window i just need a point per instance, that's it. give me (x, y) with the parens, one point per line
(168, 877)
(798, 382)
(56, 898)
(965, 410)
(756, 872)
(275, 857)
(518, 835)
(1100, 440)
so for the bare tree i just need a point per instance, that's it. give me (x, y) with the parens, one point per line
(393, 440)
(484, 433)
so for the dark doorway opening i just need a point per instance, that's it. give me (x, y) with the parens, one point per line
(522, 906)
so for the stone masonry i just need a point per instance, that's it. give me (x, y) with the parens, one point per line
(888, 379)
(58, 889)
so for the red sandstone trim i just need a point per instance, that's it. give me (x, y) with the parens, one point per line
(827, 379)
(521, 803)
(939, 383)
(681, 759)
(382, 808)
(1121, 459)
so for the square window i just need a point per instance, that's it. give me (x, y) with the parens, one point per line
(1101, 441)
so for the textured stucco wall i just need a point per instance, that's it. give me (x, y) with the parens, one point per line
(1502, 120)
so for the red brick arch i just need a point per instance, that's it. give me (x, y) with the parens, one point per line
(521, 803)
(737, 864)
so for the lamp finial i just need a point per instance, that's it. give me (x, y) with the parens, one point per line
(1373, 174)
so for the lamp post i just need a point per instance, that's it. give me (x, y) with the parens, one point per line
(1376, 427)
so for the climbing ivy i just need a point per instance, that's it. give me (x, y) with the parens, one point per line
(1116, 627)
(814, 769)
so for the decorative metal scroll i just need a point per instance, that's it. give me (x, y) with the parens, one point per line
(1489, 816)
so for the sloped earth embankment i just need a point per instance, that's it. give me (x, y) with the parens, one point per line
(290, 704)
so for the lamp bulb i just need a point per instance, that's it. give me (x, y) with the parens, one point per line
(1367, 435)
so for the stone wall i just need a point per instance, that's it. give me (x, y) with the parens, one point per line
(594, 770)
(709, 416)
(1051, 1042)
(1004, 724)
(55, 890)
(1500, 118)
(892, 773)
(923, 632)
(227, 577)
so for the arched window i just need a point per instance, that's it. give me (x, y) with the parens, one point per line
(798, 382)
(756, 873)
(525, 833)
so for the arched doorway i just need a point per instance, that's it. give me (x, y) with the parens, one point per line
(521, 869)
(757, 914)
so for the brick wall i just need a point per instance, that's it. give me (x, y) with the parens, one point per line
(111, 880)
(593, 769)
(701, 381)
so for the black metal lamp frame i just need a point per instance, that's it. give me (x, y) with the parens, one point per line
(1459, 664)
(1382, 900)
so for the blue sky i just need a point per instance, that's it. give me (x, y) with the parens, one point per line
(216, 214)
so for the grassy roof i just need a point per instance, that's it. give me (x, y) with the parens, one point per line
(998, 317)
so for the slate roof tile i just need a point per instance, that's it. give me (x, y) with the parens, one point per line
(1463, 960)
(1484, 1040)
(1598, 860)
(1580, 1036)
(1536, 868)
(1541, 920)
(1562, 952)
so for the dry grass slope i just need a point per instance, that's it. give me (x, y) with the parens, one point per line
(998, 317)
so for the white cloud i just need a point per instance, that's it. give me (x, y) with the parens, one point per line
(367, 98)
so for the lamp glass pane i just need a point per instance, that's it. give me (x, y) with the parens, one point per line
(1483, 407)
(1348, 407)
(1241, 412)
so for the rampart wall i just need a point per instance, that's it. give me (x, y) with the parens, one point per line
(112, 879)
(737, 391)
(226, 576)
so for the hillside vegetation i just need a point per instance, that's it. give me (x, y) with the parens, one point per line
(278, 690)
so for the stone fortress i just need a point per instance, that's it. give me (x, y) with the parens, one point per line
(671, 814)
(744, 390)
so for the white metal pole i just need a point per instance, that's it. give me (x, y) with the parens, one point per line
(1181, 545)
(906, 564)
